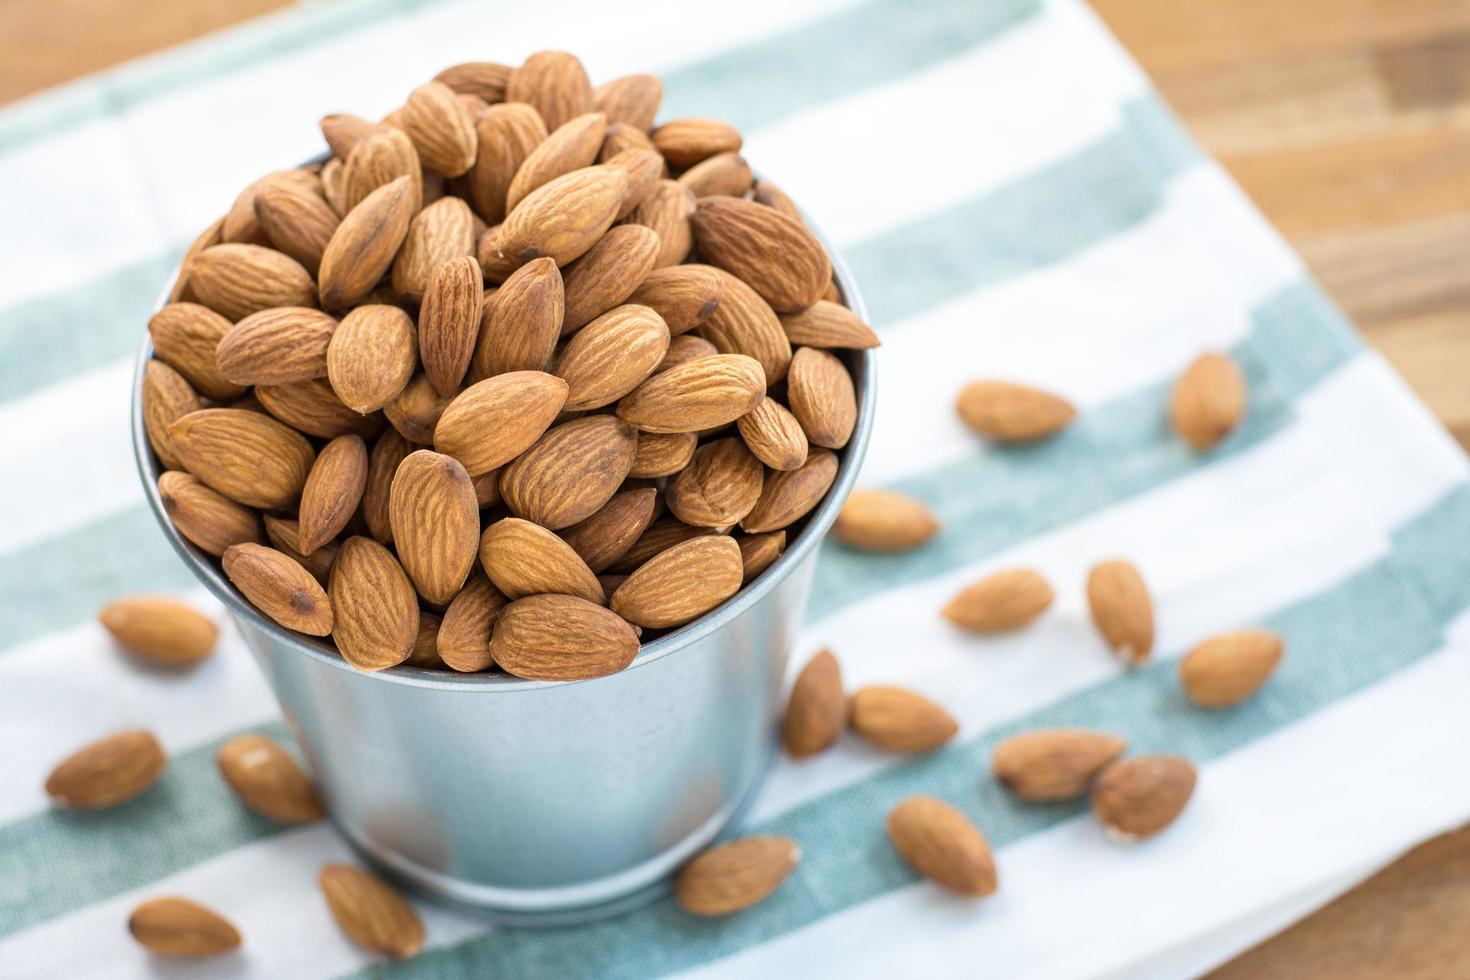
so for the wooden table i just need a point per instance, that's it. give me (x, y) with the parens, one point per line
(1348, 123)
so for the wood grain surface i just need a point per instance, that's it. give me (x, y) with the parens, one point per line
(1348, 123)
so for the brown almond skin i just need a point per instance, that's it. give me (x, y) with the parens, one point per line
(485, 79)
(660, 536)
(425, 653)
(524, 559)
(375, 916)
(563, 218)
(441, 129)
(333, 490)
(209, 519)
(284, 534)
(343, 131)
(898, 719)
(212, 235)
(631, 99)
(372, 356)
(173, 926)
(491, 423)
(1137, 798)
(744, 323)
(689, 347)
(1122, 610)
(787, 497)
(1000, 602)
(280, 587)
(561, 638)
(571, 146)
(668, 210)
(1054, 764)
(522, 325)
(416, 410)
(611, 356)
(759, 551)
(681, 583)
(718, 487)
(608, 274)
(644, 169)
(334, 187)
(827, 324)
(389, 451)
(722, 174)
(884, 521)
(442, 231)
(1009, 412)
(735, 875)
(1228, 669)
(237, 280)
(662, 454)
(940, 843)
(109, 771)
(436, 523)
(463, 639)
(249, 457)
(621, 137)
(314, 408)
(365, 244)
(778, 257)
(185, 337)
(607, 535)
(822, 397)
(1208, 401)
(686, 296)
(268, 779)
(774, 435)
(506, 135)
(685, 142)
(160, 629)
(449, 322)
(570, 472)
(378, 159)
(375, 611)
(698, 395)
(555, 83)
(298, 223)
(816, 711)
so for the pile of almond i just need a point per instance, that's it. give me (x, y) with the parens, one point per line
(512, 378)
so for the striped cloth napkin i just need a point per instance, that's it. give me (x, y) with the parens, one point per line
(1016, 203)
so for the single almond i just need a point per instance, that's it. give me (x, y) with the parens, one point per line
(668, 210)
(159, 629)
(506, 134)
(416, 410)
(788, 496)
(718, 487)
(555, 83)
(377, 160)
(298, 222)
(441, 129)
(206, 517)
(571, 146)
(940, 843)
(485, 79)
(522, 325)
(822, 397)
(724, 174)
(1138, 797)
(686, 296)
(178, 927)
(1010, 412)
(425, 653)
(570, 472)
(897, 718)
(622, 137)
(109, 771)
(375, 916)
(389, 451)
(607, 535)
(827, 324)
(372, 356)
(563, 218)
(249, 457)
(660, 536)
(280, 587)
(449, 322)
(744, 323)
(185, 337)
(436, 523)
(1208, 401)
(334, 187)
(681, 583)
(759, 552)
(702, 394)
(663, 454)
(268, 779)
(774, 435)
(333, 491)
(631, 99)
(523, 559)
(816, 711)
(644, 169)
(285, 535)
(492, 422)
(375, 613)
(883, 520)
(463, 640)
(365, 244)
(735, 875)
(778, 257)
(1054, 764)
(611, 356)
(442, 231)
(343, 131)
(684, 142)
(275, 346)
(166, 397)
(1227, 669)
(242, 222)
(1122, 610)
(237, 280)
(312, 407)
(561, 638)
(608, 274)
(1002, 601)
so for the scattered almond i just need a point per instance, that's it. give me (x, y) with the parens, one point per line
(1227, 669)
(735, 875)
(1000, 602)
(162, 630)
(816, 711)
(1056, 764)
(940, 843)
(178, 927)
(883, 520)
(1208, 401)
(268, 779)
(373, 914)
(1122, 610)
(899, 719)
(107, 772)
(1136, 798)
(1012, 413)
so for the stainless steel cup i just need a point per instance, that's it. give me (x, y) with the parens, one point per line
(535, 801)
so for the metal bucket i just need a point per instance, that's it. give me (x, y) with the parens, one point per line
(535, 801)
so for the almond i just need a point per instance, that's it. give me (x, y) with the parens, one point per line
(1227, 669)
(719, 487)
(1122, 610)
(644, 169)
(735, 875)
(416, 410)
(212, 235)
(561, 638)
(607, 535)
(365, 244)
(492, 422)
(570, 472)
(663, 454)
(689, 347)
(608, 274)
(373, 914)
(555, 83)
(743, 323)
(686, 296)
(185, 337)
(449, 322)
(206, 517)
(722, 174)
(775, 255)
(166, 397)
(522, 325)
(1012, 413)
(298, 222)
(668, 210)
(485, 79)
(563, 218)
(178, 927)
(660, 536)
(441, 129)
(242, 223)
(442, 231)
(280, 587)
(286, 536)
(571, 146)
(238, 280)
(249, 457)
(108, 771)
(425, 653)
(899, 719)
(343, 131)
(1136, 798)
(759, 551)
(463, 640)
(334, 187)
(611, 356)
(940, 843)
(314, 408)
(1053, 765)
(702, 394)
(822, 397)
(882, 520)
(816, 712)
(523, 559)
(375, 614)
(390, 450)
(632, 99)
(681, 583)
(827, 324)
(506, 135)
(789, 496)
(1208, 401)
(621, 137)
(372, 356)
(268, 779)
(487, 489)
(1003, 601)
(275, 346)
(436, 523)
(685, 142)
(159, 629)
(379, 158)
(774, 435)
(333, 490)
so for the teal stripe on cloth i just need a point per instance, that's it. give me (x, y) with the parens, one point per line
(1441, 573)
(60, 860)
(1364, 629)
